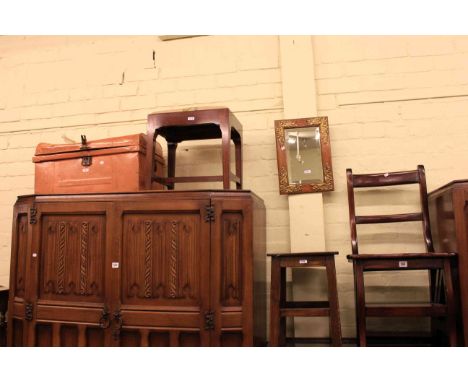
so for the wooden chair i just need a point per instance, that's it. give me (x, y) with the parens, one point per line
(441, 305)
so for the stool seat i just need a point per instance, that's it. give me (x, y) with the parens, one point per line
(280, 308)
(302, 254)
(197, 124)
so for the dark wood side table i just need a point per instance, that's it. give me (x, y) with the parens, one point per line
(280, 308)
(3, 309)
(179, 126)
(449, 224)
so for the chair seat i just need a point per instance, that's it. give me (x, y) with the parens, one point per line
(400, 256)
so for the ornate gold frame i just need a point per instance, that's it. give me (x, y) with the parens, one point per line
(284, 186)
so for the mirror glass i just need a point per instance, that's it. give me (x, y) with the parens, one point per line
(303, 155)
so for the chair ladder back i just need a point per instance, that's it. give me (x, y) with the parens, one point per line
(383, 180)
(352, 211)
(425, 209)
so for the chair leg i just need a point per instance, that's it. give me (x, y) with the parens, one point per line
(335, 324)
(360, 304)
(275, 302)
(450, 301)
(436, 286)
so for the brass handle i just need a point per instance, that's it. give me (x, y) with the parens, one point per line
(84, 143)
(117, 318)
(104, 322)
(209, 320)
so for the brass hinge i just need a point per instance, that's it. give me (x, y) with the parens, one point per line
(28, 311)
(3, 323)
(209, 320)
(210, 213)
(32, 215)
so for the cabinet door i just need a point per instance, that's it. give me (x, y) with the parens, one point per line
(20, 248)
(231, 271)
(164, 260)
(69, 284)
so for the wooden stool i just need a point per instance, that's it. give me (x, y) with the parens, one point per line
(280, 308)
(176, 127)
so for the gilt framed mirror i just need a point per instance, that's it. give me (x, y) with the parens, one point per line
(304, 155)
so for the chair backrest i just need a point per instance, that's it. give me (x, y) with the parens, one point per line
(383, 180)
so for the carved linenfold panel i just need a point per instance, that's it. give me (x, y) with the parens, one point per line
(84, 257)
(73, 250)
(61, 258)
(21, 254)
(148, 258)
(161, 257)
(173, 263)
(231, 259)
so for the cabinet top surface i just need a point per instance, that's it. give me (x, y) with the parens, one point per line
(452, 184)
(144, 195)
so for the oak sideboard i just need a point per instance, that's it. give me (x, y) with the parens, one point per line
(155, 268)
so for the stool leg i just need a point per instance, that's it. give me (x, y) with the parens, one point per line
(335, 324)
(360, 304)
(237, 143)
(450, 301)
(226, 154)
(150, 153)
(171, 162)
(282, 321)
(275, 302)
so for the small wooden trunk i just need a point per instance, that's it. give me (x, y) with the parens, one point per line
(106, 165)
